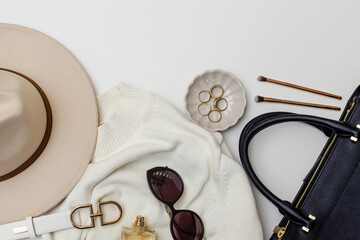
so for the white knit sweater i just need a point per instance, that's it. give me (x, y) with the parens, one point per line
(139, 131)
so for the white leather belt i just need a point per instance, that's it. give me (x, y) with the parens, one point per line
(33, 227)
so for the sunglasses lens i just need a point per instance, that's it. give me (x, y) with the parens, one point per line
(187, 226)
(166, 185)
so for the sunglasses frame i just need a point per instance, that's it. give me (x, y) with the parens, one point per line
(170, 205)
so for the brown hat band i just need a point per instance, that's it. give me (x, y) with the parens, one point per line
(47, 133)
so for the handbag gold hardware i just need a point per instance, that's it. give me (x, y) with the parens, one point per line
(281, 233)
(355, 139)
(92, 215)
(305, 229)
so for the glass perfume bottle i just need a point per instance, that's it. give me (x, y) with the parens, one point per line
(138, 231)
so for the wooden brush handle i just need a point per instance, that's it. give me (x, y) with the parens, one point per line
(303, 88)
(275, 100)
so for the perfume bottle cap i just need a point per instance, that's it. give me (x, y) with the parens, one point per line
(139, 224)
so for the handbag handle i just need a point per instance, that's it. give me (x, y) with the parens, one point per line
(263, 121)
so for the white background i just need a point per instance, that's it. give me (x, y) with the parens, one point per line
(162, 45)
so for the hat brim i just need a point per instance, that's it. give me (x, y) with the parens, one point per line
(73, 137)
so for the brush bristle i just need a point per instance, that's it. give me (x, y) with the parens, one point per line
(261, 78)
(259, 99)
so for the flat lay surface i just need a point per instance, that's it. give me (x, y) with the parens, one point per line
(161, 46)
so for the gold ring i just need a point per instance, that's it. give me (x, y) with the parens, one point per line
(208, 106)
(215, 104)
(215, 121)
(216, 86)
(204, 91)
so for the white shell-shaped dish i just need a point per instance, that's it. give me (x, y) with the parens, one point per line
(234, 93)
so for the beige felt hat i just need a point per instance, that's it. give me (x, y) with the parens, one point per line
(48, 122)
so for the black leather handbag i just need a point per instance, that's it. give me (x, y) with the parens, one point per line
(327, 206)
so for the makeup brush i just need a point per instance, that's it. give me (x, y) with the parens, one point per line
(276, 100)
(264, 79)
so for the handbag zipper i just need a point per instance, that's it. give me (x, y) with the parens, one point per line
(280, 231)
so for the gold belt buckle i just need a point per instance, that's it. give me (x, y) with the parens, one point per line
(99, 213)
